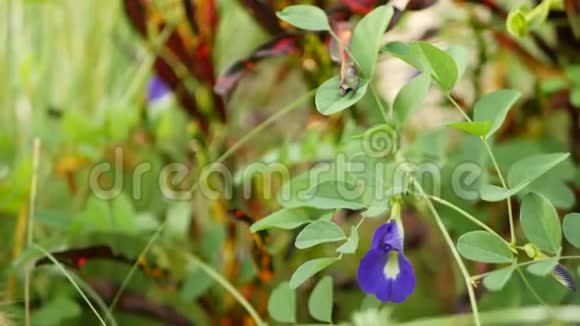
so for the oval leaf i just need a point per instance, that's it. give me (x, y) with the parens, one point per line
(540, 222)
(521, 174)
(367, 37)
(282, 304)
(411, 97)
(335, 194)
(494, 193)
(494, 107)
(309, 268)
(461, 57)
(484, 247)
(328, 99)
(310, 18)
(480, 128)
(443, 67)
(527, 170)
(572, 229)
(496, 280)
(404, 52)
(318, 232)
(286, 218)
(320, 301)
(351, 243)
(543, 268)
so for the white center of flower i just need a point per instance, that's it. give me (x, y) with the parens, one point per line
(391, 269)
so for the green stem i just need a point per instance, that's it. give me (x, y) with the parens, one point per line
(227, 286)
(467, 215)
(467, 278)
(496, 167)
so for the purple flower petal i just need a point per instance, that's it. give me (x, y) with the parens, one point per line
(388, 236)
(156, 89)
(403, 285)
(370, 275)
(373, 275)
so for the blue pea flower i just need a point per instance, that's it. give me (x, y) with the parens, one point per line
(156, 89)
(385, 271)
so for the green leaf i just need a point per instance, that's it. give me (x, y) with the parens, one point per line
(571, 226)
(497, 279)
(484, 247)
(376, 209)
(309, 268)
(320, 301)
(328, 99)
(494, 193)
(554, 188)
(196, 284)
(306, 17)
(540, 222)
(443, 67)
(479, 128)
(286, 218)
(294, 192)
(282, 304)
(351, 243)
(335, 194)
(494, 107)
(367, 37)
(318, 232)
(521, 174)
(404, 52)
(543, 268)
(461, 57)
(524, 171)
(411, 97)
